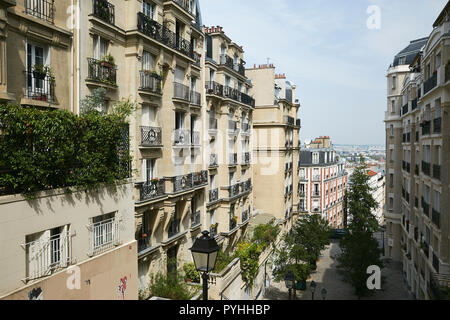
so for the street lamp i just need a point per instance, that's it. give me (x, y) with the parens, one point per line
(289, 280)
(324, 293)
(312, 287)
(204, 252)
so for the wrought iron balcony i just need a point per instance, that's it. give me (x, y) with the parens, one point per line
(289, 120)
(182, 183)
(436, 217)
(429, 84)
(104, 10)
(426, 168)
(233, 223)
(151, 190)
(162, 34)
(195, 219)
(40, 86)
(246, 158)
(437, 125)
(213, 160)
(195, 138)
(151, 136)
(426, 128)
(174, 228)
(199, 178)
(102, 72)
(227, 61)
(233, 190)
(214, 88)
(238, 96)
(42, 9)
(232, 159)
(196, 98)
(316, 194)
(150, 82)
(437, 172)
(197, 58)
(182, 137)
(180, 91)
(316, 178)
(214, 195)
(186, 5)
(247, 186)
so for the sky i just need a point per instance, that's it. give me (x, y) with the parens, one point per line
(326, 48)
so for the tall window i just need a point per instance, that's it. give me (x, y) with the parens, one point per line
(147, 61)
(179, 120)
(149, 169)
(100, 47)
(148, 9)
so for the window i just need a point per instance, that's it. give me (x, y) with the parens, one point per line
(179, 120)
(100, 47)
(437, 201)
(148, 9)
(211, 75)
(227, 81)
(179, 74)
(315, 158)
(147, 61)
(37, 55)
(394, 82)
(104, 232)
(391, 130)
(149, 169)
(393, 106)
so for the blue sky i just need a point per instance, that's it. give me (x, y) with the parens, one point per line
(326, 49)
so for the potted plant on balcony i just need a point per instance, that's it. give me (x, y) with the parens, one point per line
(234, 219)
(41, 71)
(154, 180)
(214, 226)
(107, 61)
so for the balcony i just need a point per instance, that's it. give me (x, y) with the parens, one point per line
(189, 181)
(426, 168)
(405, 109)
(151, 137)
(214, 88)
(233, 223)
(150, 82)
(246, 186)
(40, 87)
(99, 71)
(143, 240)
(426, 127)
(238, 66)
(315, 194)
(104, 235)
(182, 137)
(162, 34)
(430, 84)
(195, 138)
(213, 195)
(195, 219)
(437, 125)
(232, 159)
(197, 58)
(290, 121)
(437, 172)
(245, 128)
(104, 10)
(41, 9)
(436, 218)
(181, 92)
(238, 96)
(213, 160)
(233, 191)
(150, 190)
(174, 228)
(233, 127)
(196, 98)
(186, 5)
(316, 178)
(246, 158)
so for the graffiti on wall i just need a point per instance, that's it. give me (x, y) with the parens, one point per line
(122, 288)
(36, 294)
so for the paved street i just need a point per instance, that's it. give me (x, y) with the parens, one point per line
(326, 276)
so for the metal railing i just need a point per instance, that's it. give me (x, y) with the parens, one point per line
(195, 138)
(40, 86)
(42, 9)
(234, 190)
(289, 120)
(196, 98)
(186, 5)
(233, 224)
(316, 193)
(104, 10)
(151, 136)
(213, 230)
(162, 34)
(101, 72)
(45, 256)
(144, 240)
(152, 189)
(104, 235)
(232, 159)
(174, 228)
(150, 82)
(213, 160)
(429, 84)
(182, 137)
(189, 181)
(316, 177)
(245, 215)
(246, 158)
(214, 88)
(180, 91)
(195, 219)
(214, 195)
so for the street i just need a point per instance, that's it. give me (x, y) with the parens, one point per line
(326, 276)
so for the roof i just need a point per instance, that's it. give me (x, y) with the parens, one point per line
(442, 15)
(371, 173)
(410, 52)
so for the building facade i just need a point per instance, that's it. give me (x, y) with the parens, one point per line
(322, 182)
(377, 182)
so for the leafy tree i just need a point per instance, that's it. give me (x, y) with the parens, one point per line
(266, 234)
(94, 102)
(359, 248)
(171, 286)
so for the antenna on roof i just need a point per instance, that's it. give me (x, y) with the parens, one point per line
(268, 61)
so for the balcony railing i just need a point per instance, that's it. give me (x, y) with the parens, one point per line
(186, 5)
(429, 84)
(246, 158)
(48, 255)
(40, 87)
(180, 91)
(214, 88)
(426, 168)
(195, 138)
(437, 125)
(316, 178)
(150, 82)
(233, 223)
(233, 190)
(199, 178)
(104, 10)
(195, 219)
(42, 9)
(144, 240)
(213, 160)
(104, 235)
(182, 137)
(151, 190)
(233, 126)
(436, 218)
(214, 195)
(174, 228)
(316, 194)
(436, 171)
(101, 72)
(426, 128)
(289, 120)
(232, 159)
(236, 95)
(151, 136)
(162, 34)
(196, 98)
(183, 183)
(227, 61)
(197, 59)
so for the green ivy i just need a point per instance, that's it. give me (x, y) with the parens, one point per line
(49, 149)
(248, 253)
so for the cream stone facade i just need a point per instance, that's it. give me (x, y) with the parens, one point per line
(276, 148)
(422, 180)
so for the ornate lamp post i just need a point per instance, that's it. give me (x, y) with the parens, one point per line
(204, 252)
(324, 293)
(289, 280)
(312, 287)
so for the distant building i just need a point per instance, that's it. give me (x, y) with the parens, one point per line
(377, 183)
(323, 181)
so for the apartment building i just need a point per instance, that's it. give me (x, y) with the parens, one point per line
(276, 148)
(322, 182)
(423, 176)
(36, 53)
(228, 145)
(377, 181)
